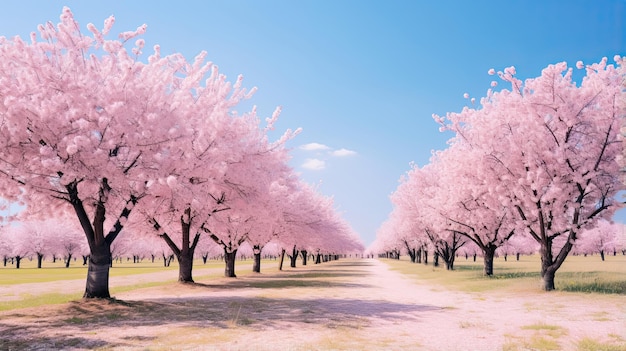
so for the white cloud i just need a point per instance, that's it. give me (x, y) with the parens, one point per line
(343, 153)
(314, 164)
(314, 147)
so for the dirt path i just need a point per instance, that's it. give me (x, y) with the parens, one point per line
(342, 305)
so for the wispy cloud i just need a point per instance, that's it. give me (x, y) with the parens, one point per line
(322, 153)
(314, 147)
(343, 153)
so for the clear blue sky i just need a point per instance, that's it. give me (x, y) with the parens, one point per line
(360, 77)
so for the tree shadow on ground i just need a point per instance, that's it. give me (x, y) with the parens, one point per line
(73, 320)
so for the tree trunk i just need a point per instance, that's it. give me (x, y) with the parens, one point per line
(304, 257)
(318, 258)
(185, 267)
(229, 258)
(282, 259)
(97, 285)
(488, 253)
(256, 265)
(602, 254)
(436, 260)
(293, 257)
(18, 259)
(69, 259)
(256, 262)
(39, 259)
(547, 279)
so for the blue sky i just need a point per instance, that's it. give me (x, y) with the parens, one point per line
(362, 78)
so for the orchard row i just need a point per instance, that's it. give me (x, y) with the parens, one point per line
(118, 146)
(538, 168)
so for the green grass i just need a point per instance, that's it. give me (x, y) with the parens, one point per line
(578, 274)
(28, 273)
(588, 344)
(27, 300)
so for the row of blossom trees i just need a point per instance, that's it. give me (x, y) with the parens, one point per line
(539, 162)
(88, 126)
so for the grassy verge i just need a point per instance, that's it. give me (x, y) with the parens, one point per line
(578, 274)
(28, 273)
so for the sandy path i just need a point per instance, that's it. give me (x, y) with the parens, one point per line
(343, 305)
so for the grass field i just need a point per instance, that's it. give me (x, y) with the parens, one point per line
(581, 274)
(56, 272)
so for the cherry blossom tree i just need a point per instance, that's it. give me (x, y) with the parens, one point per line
(600, 239)
(34, 234)
(470, 205)
(17, 248)
(553, 149)
(247, 186)
(84, 122)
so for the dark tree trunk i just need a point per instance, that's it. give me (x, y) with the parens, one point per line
(293, 257)
(425, 257)
(547, 279)
(98, 272)
(229, 259)
(318, 258)
(97, 285)
(282, 259)
(85, 259)
(69, 259)
(436, 260)
(602, 254)
(256, 263)
(39, 259)
(185, 267)
(550, 264)
(184, 254)
(204, 258)
(489, 252)
(517, 256)
(304, 257)
(18, 259)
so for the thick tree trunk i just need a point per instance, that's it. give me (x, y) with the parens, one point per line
(256, 264)
(489, 252)
(185, 267)
(318, 258)
(39, 259)
(436, 260)
(602, 254)
(229, 259)
(18, 259)
(304, 257)
(293, 257)
(97, 285)
(547, 279)
(69, 259)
